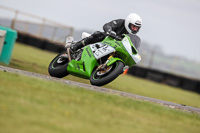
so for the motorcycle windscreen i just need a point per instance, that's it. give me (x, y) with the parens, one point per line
(135, 40)
(136, 57)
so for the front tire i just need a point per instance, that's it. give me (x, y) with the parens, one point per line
(100, 79)
(58, 66)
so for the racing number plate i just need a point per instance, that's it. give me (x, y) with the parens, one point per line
(101, 51)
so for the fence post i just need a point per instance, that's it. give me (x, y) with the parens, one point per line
(42, 27)
(14, 20)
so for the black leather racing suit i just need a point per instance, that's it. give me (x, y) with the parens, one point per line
(116, 25)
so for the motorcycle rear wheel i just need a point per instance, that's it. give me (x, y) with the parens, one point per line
(58, 66)
(112, 73)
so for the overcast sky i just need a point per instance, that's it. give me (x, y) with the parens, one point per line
(172, 24)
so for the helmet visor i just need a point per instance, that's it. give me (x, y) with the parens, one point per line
(134, 29)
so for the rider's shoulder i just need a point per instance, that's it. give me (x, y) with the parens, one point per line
(118, 21)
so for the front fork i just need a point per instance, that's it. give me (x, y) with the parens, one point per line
(104, 66)
(69, 55)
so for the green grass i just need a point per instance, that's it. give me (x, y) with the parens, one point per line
(35, 60)
(30, 59)
(30, 105)
(155, 90)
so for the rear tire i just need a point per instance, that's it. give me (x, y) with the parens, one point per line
(114, 72)
(58, 66)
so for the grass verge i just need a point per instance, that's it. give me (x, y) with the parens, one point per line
(35, 105)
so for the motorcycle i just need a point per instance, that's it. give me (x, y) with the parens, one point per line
(100, 62)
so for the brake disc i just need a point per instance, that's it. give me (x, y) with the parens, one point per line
(102, 72)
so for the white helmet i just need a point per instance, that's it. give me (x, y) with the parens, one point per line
(133, 23)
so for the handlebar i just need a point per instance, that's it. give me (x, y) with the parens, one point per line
(114, 37)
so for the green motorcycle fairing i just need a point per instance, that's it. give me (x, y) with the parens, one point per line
(125, 51)
(85, 66)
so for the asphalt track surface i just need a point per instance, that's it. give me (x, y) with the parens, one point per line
(104, 90)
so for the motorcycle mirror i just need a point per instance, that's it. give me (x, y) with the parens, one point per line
(69, 41)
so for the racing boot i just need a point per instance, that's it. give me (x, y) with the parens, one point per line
(95, 37)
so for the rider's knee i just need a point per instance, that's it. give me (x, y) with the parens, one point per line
(97, 34)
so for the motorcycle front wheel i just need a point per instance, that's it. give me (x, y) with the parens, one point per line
(58, 66)
(100, 78)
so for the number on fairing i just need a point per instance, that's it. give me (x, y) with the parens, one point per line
(102, 51)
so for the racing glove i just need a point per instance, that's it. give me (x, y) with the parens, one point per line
(111, 33)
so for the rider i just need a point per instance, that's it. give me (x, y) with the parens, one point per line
(131, 25)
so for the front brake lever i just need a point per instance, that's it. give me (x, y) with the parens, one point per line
(115, 37)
